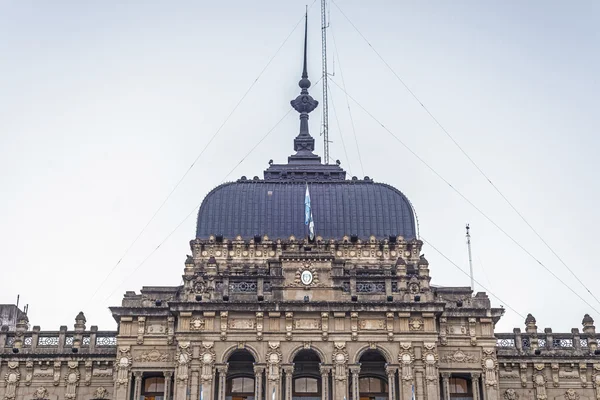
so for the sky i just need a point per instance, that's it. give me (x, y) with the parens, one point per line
(105, 105)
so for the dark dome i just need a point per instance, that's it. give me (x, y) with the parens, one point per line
(276, 209)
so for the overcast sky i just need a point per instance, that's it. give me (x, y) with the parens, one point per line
(104, 105)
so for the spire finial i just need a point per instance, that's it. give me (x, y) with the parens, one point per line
(304, 103)
(304, 72)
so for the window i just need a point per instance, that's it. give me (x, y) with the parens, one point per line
(154, 385)
(372, 385)
(306, 385)
(460, 389)
(240, 385)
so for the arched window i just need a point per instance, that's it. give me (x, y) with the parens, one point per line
(461, 389)
(240, 386)
(153, 388)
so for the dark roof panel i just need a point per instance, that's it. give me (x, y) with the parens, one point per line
(276, 209)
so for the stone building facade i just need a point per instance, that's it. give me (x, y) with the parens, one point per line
(267, 312)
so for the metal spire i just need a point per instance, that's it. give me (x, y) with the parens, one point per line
(304, 144)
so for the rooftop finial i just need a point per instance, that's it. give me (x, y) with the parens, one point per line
(304, 72)
(304, 144)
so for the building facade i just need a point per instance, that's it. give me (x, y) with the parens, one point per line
(269, 312)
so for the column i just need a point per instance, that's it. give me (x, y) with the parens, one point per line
(475, 384)
(222, 370)
(273, 382)
(167, 393)
(258, 382)
(355, 370)
(446, 385)
(138, 385)
(195, 384)
(325, 370)
(288, 370)
(391, 374)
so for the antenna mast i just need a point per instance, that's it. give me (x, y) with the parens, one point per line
(324, 27)
(470, 258)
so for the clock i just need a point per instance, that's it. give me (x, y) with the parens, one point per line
(306, 277)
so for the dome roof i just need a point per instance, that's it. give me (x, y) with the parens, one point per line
(274, 206)
(276, 209)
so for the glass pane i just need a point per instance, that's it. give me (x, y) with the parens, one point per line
(154, 385)
(363, 385)
(237, 385)
(459, 386)
(311, 385)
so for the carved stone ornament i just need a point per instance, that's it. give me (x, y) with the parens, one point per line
(152, 356)
(101, 393)
(340, 359)
(306, 275)
(184, 357)
(571, 394)
(122, 365)
(430, 358)
(406, 359)
(510, 394)
(490, 367)
(40, 393)
(207, 357)
(416, 324)
(197, 324)
(12, 378)
(72, 380)
(273, 360)
(459, 357)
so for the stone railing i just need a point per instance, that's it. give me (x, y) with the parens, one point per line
(518, 343)
(57, 342)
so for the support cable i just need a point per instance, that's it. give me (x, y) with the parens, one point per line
(340, 130)
(467, 274)
(336, 55)
(198, 157)
(467, 200)
(197, 207)
(485, 176)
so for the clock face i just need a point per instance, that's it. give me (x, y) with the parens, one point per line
(306, 277)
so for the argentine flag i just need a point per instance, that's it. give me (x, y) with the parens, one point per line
(308, 217)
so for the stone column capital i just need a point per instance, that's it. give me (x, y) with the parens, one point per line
(287, 368)
(138, 374)
(167, 374)
(354, 368)
(446, 375)
(391, 369)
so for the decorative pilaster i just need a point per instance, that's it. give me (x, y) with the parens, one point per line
(123, 381)
(258, 382)
(391, 370)
(184, 357)
(490, 373)
(475, 376)
(167, 393)
(222, 371)
(325, 371)
(355, 371)
(12, 378)
(207, 358)
(406, 359)
(72, 380)
(430, 359)
(340, 371)
(138, 384)
(288, 370)
(539, 381)
(273, 371)
(446, 385)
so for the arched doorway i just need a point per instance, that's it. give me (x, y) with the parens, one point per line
(372, 380)
(240, 376)
(306, 380)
